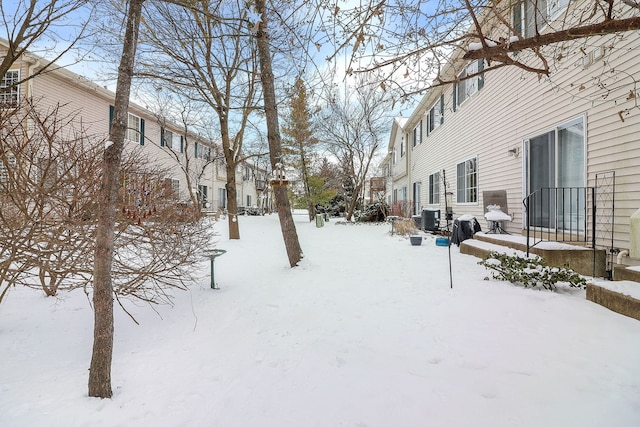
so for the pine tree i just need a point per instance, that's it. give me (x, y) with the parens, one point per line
(298, 141)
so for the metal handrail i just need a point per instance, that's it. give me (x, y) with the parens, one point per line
(562, 214)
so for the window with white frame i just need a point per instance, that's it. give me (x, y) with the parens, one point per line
(436, 114)
(172, 141)
(402, 151)
(434, 188)
(417, 134)
(9, 89)
(203, 192)
(531, 16)
(168, 139)
(7, 165)
(222, 198)
(467, 181)
(135, 130)
(173, 186)
(555, 7)
(467, 86)
(47, 172)
(247, 173)
(202, 151)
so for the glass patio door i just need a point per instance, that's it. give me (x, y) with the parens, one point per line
(541, 168)
(555, 172)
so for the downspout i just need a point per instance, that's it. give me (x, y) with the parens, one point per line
(621, 255)
(32, 65)
(408, 171)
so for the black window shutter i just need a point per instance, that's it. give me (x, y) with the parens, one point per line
(181, 144)
(442, 108)
(161, 137)
(455, 96)
(112, 111)
(141, 131)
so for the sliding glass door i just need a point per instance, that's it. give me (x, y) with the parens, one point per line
(555, 172)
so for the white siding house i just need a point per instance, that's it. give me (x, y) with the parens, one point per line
(166, 143)
(512, 130)
(398, 157)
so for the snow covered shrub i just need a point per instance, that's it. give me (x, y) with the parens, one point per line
(374, 212)
(530, 272)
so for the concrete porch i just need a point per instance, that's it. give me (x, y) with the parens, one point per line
(578, 258)
(621, 295)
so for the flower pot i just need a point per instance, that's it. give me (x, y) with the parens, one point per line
(416, 240)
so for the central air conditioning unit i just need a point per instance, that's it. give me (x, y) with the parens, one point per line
(431, 219)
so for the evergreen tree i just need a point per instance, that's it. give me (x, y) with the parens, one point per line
(298, 141)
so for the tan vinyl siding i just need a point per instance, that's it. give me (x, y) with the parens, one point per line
(515, 105)
(89, 103)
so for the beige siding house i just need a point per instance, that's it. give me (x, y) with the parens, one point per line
(511, 130)
(396, 162)
(167, 144)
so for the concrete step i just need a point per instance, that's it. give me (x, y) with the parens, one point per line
(580, 259)
(626, 272)
(621, 295)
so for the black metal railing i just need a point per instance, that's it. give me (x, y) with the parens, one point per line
(561, 214)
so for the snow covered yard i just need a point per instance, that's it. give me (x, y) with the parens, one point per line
(365, 332)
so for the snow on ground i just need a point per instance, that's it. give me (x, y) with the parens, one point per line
(365, 332)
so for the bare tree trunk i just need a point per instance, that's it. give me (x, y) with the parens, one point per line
(289, 233)
(307, 192)
(353, 202)
(232, 204)
(101, 357)
(230, 168)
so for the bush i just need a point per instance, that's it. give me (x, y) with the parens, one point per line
(374, 212)
(405, 227)
(530, 272)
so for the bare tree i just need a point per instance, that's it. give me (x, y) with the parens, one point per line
(193, 154)
(101, 357)
(289, 233)
(49, 179)
(47, 190)
(219, 70)
(353, 128)
(29, 23)
(407, 43)
(158, 241)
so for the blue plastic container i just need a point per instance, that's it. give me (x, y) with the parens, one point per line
(442, 241)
